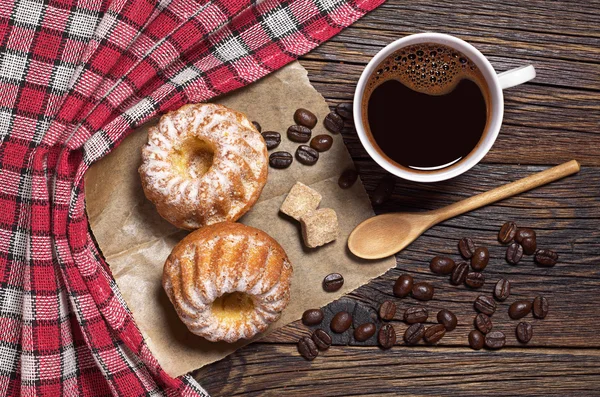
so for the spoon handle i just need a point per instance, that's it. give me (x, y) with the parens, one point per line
(508, 190)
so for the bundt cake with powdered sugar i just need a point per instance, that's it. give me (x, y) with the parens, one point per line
(228, 281)
(203, 164)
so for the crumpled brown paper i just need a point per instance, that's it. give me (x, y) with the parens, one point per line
(136, 241)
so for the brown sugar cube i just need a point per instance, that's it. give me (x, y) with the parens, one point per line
(300, 200)
(319, 227)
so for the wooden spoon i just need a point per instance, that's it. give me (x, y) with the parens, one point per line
(384, 235)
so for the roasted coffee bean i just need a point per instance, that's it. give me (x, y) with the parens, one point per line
(485, 304)
(502, 289)
(305, 118)
(280, 160)
(364, 332)
(387, 310)
(272, 139)
(386, 336)
(307, 348)
(519, 309)
(321, 143)
(459, 274)
(422, 291)
(476, 340)
(524, 332)
(344, 109)
(416, 314)
(322, 339)
(483, 323)
(495, 340)
(334, 123)
(441, 265)
(414, 334)
(348, 178)
(507, 232)
(475, 279)
(480, 259)
(257, 126)
(332, 282)
(447, 319)
(403, 286)
(529, 245)
(312, 317)
(341, 322)
(546, 258)
(523, 233)
(307, 155)
(514, 253)
(299, 133)
(434, 333)
(540, 307)
(383, 191)
(466, 247)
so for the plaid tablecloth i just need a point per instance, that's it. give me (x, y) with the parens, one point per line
(75, 77)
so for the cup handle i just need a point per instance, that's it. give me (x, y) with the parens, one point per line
(517, 76)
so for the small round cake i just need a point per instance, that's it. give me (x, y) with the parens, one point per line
(228, 281)
(203, 164)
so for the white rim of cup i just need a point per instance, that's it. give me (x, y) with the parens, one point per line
(496, 107)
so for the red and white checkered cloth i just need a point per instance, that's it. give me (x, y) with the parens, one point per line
(75, 77)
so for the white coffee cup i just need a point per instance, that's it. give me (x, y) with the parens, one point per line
(495, 82)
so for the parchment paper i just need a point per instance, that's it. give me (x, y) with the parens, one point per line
(136, 241)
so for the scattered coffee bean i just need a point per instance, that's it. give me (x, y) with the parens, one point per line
(514, 253)
(332, 282)
(272, 139)
(441, 265)
(383, 191)
(299, 133)
(257, 126)
(523, 233)
(483, 323)
(307, 348)
(414, 315)
(519, 309)
(546, 258)
(414, 334)
(422, 291)
(344, 109)
(305, 118)
(507, 232)
(495, 340)
(364, 332)
(334, 123)
(387, 310)
(348, 178)
(322, 339)
(386, 336)
(466, 247)
(280, 160)
(312, 317)
(480, 259)
(447, 319)
(403, 286)
(341, 322)
(524, 332)
(540, 307)
(321, 143)
(485, 304)
(476, 340)
(529, 245)
(459, 274)
(307, 155)
(475, 279)
(502, 289)
(434, 333)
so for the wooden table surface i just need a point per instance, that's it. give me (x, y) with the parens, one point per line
(553, 119)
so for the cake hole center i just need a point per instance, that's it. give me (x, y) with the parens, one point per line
(194, 157)
(234, 306)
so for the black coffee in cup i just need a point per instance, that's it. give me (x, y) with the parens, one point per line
(426, 107)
